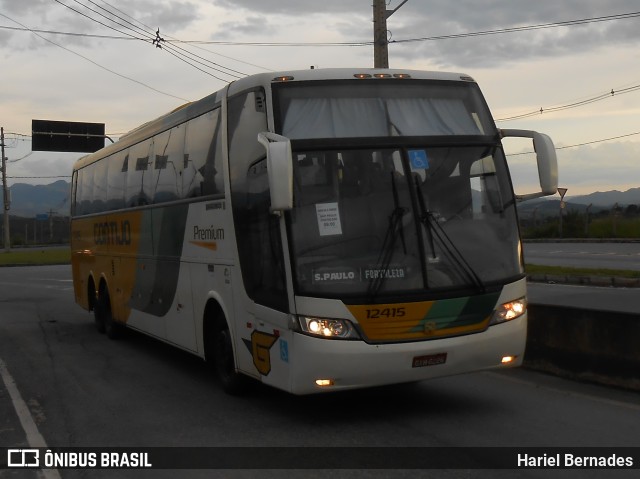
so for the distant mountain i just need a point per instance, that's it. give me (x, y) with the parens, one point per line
(548, 206)
(31, 200)
(609, 198)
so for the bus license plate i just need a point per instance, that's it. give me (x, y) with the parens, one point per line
(429, 360)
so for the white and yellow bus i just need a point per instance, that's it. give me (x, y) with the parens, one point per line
(316, 230)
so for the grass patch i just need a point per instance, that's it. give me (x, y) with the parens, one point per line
(564, 271)
(35, 256)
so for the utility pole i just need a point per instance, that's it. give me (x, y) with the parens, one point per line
(380, 41)
(586, 223)
(5, 195)
(50, 225)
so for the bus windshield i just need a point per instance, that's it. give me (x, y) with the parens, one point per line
(430, 209)
(402, 221)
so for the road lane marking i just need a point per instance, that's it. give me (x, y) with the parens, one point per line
(34, 438)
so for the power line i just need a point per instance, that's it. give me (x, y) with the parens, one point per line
(18, 134)
(581, 144)
(598, 141)
(98, 21)
(511, 154)
(169, 36)
(567, 23)
(115, 37)
(19, 159)
(542, 26)
(71, 34)
(576, 104)
(523, 28)
(94, 62)
(199, 42)
(180, 53)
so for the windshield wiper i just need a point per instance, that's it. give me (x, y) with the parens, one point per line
(434, 229)
(388, 245)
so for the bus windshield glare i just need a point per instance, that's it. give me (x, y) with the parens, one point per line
(431, 213)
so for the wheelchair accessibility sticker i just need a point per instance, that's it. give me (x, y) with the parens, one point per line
(418, 160)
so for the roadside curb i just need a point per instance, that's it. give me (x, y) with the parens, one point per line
(603, 281)
(581, 240)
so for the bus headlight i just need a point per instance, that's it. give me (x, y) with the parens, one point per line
(508, 311)
(327, 328)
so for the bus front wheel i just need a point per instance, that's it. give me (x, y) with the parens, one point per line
(231, 381)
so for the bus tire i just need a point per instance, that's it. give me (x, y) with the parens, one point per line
(232, 381)
(93, 306)
(111, 328)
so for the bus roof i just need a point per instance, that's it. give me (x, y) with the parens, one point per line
(199, 107)
(342, 74)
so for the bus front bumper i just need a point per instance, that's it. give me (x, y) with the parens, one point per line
(321, 365)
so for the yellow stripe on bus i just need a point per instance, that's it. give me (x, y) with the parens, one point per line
(212, 245)
(107, 247)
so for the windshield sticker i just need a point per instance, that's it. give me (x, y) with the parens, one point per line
(418, 160)
(335, 275)
(328, 219)
(385, 273)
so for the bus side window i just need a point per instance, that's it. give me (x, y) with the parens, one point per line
(251, 202)
(265, 279)
(99, 186)
(139, 159)
(168, 164)
(199, 156)
(116, 180)
(87, 190)
(77, 193)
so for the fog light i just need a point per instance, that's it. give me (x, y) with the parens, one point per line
(508, 359)
(324, 382)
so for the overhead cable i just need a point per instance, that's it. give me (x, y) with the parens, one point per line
(576, 104)
(94, 62)
(193, 60)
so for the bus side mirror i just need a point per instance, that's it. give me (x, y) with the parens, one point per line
(279, 169)
(547, 161)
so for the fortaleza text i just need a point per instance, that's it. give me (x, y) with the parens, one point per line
(572, 460)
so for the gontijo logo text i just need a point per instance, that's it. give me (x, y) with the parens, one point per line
(112, 233)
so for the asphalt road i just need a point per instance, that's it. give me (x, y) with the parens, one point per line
(623, 300)
(81, 389)
(624, 256)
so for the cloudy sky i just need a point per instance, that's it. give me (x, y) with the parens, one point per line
(92, 69)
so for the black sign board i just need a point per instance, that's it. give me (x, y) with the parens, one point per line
(69, 136)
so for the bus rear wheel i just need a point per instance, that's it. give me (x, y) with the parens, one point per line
(103, 317)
